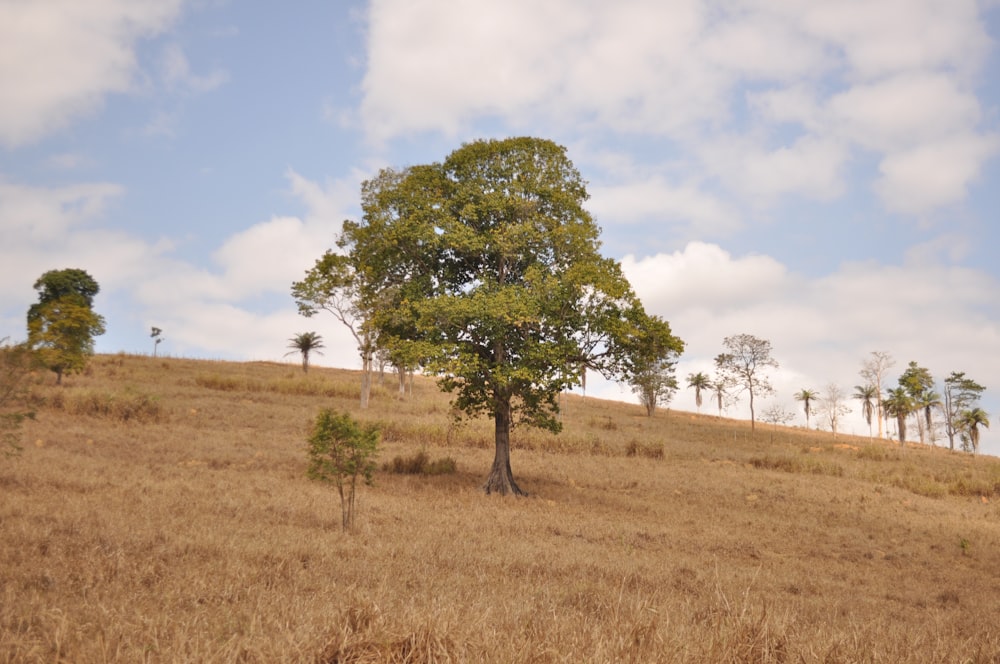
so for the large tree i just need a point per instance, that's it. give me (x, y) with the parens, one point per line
(62, 324)
(488, 263)
(960, 395)
(744, 364)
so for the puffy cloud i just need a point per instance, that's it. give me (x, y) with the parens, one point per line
(59, 58)
(821, 328)
(722, 82)
(654, 198)
(935, 173)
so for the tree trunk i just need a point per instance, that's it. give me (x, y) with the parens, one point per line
(401, 373)
(501, 479)
(366, 378)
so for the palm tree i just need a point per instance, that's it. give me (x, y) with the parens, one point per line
(930, 400)
(807, 397)
(718, 388)
(305, 343)
(970, 421)
(898, 404)
(868, 395)
(699, 382)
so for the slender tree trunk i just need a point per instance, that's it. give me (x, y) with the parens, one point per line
(366, 378)
(878, 405)
(402, 381)
(752, 418)
(305, 362)
(501, 479)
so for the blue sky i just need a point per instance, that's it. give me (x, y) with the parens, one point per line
(824, 174)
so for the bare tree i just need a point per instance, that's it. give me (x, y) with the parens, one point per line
(833, 406)
(744, 364)
(873, 370)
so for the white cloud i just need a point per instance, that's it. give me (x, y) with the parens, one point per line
(811, 166)
(934, 174)
(59, 58)
(177, 74)
(656, 200)
(821, 328)
(722, 81)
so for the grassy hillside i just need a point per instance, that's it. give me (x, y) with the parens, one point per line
(160, 512)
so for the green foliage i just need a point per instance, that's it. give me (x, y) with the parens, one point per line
(960, 397)
(62, 324)
(340, 452)
(899, 404)
(701, 383)
(485, 269)
(305, 343)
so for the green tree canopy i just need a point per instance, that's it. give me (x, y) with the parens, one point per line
(62, 324)
(488, 263)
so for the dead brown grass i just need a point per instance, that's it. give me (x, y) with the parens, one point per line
(194, 535)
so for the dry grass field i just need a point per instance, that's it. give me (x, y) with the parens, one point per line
(160, 512)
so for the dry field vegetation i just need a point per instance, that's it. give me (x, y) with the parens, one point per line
(160, 512)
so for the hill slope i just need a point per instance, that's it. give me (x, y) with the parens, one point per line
(160, 512)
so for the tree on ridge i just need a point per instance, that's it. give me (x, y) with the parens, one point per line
(305, 343)
(488, 263)
(743, 366)
(807, 397)
(700, 382)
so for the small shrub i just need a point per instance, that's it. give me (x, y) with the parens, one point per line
(341, 451)
(636, 449)
(420, 464)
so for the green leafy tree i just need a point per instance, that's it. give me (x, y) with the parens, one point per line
(341, 452)
(898, 403)
(970, 421)
(701, 383)
(960, 395)
(807, 397)
(336, 285)
(490, 263)
(62, 324)
(919, 385)
(305, 343)
(868, 396)
(744, 364)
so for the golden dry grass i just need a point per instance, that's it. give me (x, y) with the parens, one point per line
(160, 513)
